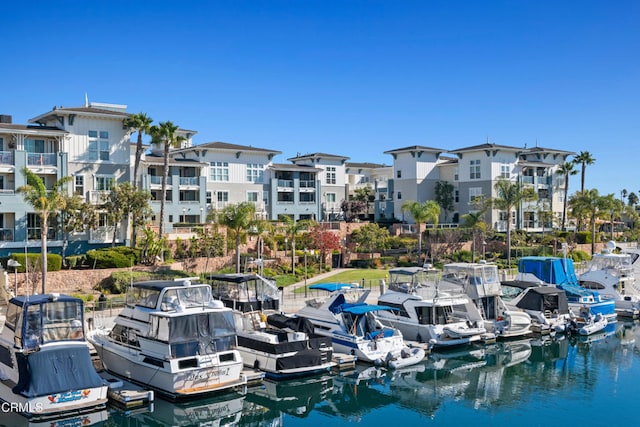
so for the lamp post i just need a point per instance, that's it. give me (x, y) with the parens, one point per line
(484, 248)
(305, 272)
(15, 264)
(286, 242)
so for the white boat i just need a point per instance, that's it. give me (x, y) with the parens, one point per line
(174, 338)
(480, 281)
(271, 342)
(560, 273)
(586, 323)
(612, 275)
(353, 326)
(45, 364)
(425, 314)
(547, 305)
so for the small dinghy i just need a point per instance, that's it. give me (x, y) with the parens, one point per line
(408, 356)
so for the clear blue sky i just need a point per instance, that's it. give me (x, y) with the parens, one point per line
(352, 78)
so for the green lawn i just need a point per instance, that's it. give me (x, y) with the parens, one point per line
(355, 275)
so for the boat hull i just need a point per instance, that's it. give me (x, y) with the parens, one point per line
(201, 375)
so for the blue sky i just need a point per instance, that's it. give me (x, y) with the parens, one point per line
(352, 78)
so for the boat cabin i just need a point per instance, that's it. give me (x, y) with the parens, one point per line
(40, 319)
(174, 319)
(245, 292)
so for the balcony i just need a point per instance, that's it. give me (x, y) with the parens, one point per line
(189, 181)
(41, 159)
(98, 197)
(307, 184)
(7, 158)
(157, 180)
(285, 183)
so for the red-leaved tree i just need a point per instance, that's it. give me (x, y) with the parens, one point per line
(324, 241)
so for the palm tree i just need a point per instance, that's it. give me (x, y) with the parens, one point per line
(422, 213)
(46, 202)
(509, 196)
(165, 134)
(584, 158)
(566, 169)
(291, 229)
(592, 205)
(140, 123)
(238, 218)
(474, 221)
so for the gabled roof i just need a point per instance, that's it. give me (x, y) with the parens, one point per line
(117, 113)
(313, 156)
(366, 165)
(415, 148)
(548, 150)
(173, 161)
(31, 129)
(290, 167)
(228, 147)
(487, 146)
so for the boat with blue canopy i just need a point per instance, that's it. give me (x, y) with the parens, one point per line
(354, 327)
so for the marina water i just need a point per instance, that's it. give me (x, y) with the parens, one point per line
(589, 381)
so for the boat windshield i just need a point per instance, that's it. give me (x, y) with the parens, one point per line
(143, 297)
(186, 297)
(612, 263)
(49, 322)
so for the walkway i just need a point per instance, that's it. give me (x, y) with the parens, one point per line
(293, 301)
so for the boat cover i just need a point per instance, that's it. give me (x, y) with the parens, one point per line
(299, 324)
(332, 287)
(545, 298)
(56, 370)
(361, 308)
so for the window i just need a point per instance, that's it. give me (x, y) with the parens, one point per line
(474, 169)
(209, 196)
(34, 145)
(265, 197)
(456, 196)
(505, 170)
(331, 175)
(255, 172)
(307, 197)
(103, 183)
(330, 198)
(98, 145)
(399, 174)
(456, 174)
(103, 220)
(223, 196)
(252, 196)
(474, 192)
(78, 185)
(219, 171)
(399, 195)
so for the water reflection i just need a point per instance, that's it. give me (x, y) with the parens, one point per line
(507, 379)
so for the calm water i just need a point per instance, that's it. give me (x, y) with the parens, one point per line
(532, 382)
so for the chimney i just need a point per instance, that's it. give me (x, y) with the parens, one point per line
(6, 118)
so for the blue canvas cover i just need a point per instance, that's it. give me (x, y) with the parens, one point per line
(56, 370)
(332, 287)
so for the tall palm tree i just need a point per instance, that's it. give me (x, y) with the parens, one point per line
(422, 213)
(140, 123)
(165, 134)
(238, 218)
(291, 230)
(584, 158)
(509, 196)
(46, 202)
(566, 169)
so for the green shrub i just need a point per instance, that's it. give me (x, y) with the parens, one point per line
(75, 261)
(107, 258)
(583, 237)
(54, 261)
(579, 256)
